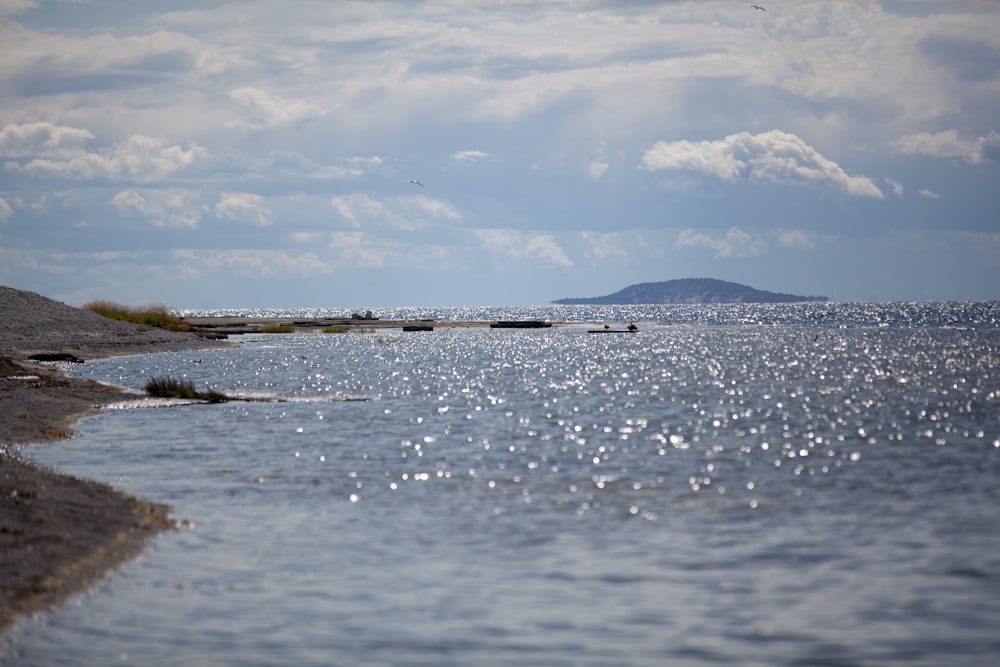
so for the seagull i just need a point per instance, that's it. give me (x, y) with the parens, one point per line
(758, 7)
(416, 182)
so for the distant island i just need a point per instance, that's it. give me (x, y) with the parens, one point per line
(689, 290)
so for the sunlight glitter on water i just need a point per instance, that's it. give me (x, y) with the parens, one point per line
(688, 480)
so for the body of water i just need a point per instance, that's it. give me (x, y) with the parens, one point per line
(811, 484)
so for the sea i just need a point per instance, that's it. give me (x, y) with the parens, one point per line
(791, 484)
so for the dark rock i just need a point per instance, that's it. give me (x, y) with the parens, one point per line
(56, 356)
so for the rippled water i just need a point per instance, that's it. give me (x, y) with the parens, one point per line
(752, 488)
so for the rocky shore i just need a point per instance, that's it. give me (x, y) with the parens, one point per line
(60, 534)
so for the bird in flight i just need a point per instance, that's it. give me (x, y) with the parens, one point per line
(758, 7)
(416, 182)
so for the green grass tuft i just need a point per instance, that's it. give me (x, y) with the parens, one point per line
(172, 388)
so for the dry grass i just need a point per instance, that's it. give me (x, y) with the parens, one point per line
(155, 315)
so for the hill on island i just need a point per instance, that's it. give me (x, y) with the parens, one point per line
(689, 290)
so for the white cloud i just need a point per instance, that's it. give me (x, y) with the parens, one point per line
(410, 213)
(42, 140)
(796, 238)
(950, 144)
(599, 164)
(434, 209)
(269, 264)
(5, 210)
(522, 246)
(466, 158)
(357, 249)
(895, 186)
(930, 194)
(363, 250)
(596, 169)
(774, 157)
(293, 164)
(139, 158)
(243, 207)
(162, 208)
(270, 110)
(603, 246)
(735, 243)
(359, 210)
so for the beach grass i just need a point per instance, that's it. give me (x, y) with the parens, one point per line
(155, 315)
(166, 387)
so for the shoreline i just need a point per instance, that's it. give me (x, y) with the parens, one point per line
(60, 535)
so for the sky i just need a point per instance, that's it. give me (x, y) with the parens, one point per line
(496, 152)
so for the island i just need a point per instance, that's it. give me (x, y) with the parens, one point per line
(689, 290)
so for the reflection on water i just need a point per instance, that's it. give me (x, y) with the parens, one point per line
(812, 492)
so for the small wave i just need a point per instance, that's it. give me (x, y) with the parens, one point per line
(155, 402)
(288, 398)
(150, 402)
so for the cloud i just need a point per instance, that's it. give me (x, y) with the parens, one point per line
(358, 249)
(796, 238)
(42, 140)
(895, 186)
(599, 164)
(162, 208)
(466, 158)
(297, 165)
(243, 207)
(366, 251)
(270, 110)
(949, 144)
(930, 194)
(15, 6)
(431, 208)
(269, 264)
(139, 158)
(359, 211)
(5, 210)
(735, 243)
(523, 246)
(773, 157)
(603, 245)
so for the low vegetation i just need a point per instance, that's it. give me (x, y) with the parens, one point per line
(156, 315)
(172, 388)
(279, 328)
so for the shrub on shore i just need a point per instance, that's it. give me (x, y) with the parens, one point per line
(172, 388)
(155, 315)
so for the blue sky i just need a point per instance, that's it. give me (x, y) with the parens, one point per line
(233, 154)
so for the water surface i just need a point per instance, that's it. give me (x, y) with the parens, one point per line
(755, 488)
